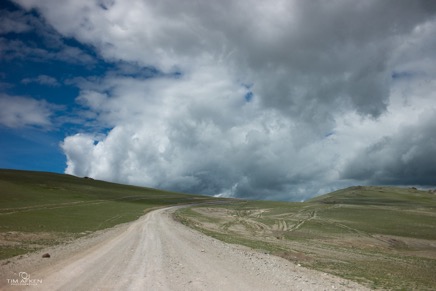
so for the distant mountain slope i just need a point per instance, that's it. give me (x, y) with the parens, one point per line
(378, 195)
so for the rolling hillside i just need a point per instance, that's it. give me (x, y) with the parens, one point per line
(39, 209)
(382, 196)
(382, 237)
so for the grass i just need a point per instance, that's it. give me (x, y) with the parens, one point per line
(382, 237)
(33, 204)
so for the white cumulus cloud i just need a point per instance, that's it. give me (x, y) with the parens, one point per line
(329, 82)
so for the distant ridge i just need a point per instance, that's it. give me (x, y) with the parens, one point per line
(378, 195)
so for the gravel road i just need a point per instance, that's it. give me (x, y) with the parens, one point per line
(157, 253)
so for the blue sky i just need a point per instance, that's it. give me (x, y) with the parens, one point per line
(156, 94)
(45, 70)
(40, 77)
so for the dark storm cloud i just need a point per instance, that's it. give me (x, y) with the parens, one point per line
(333, 55)
(406, 158)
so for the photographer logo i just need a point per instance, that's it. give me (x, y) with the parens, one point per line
(24, 280)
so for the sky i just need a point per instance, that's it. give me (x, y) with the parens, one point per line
(256, 99)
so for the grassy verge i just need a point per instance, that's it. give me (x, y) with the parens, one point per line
(381, 237)
(40, 209)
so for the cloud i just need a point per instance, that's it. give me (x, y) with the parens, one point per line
(12, 49)
(80, 148)
(40, 42)
(406, 158)
(13, 22)
(43, 80)
(282, 50)
(327, 82)
(172, 133)
(404, 149)
(17, 112)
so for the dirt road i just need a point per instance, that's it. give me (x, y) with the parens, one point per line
(157, 253)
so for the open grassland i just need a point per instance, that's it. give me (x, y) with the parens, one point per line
(379, 236)
(39, 209)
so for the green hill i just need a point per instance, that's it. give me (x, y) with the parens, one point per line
(39, 209)
(378, 195)
(384, 237)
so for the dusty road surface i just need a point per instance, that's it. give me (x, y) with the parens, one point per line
(157, 253)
